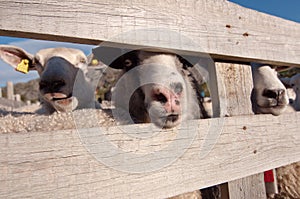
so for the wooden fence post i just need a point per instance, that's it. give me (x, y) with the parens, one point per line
(10, 90)
(231, 92)
(0, 92)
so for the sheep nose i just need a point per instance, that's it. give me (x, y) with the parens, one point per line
(274, 93)
(169, 99)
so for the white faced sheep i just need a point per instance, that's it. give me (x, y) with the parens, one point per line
(269, 94)
(63, 83)
(288, 177)
(155, 87)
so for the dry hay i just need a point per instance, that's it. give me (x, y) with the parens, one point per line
(288, 181)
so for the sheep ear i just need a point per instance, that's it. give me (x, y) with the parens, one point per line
(17, 58)
(117, 58)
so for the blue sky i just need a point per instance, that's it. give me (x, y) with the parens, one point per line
(288, 9)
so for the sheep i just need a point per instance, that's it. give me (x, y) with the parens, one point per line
(294, 82)
(274, 93)
(155, 88)
(288, 177)
(269, 95)
(63, 84)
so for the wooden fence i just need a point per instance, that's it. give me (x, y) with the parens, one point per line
(56, 164)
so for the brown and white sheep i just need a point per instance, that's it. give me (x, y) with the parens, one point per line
(63, 83)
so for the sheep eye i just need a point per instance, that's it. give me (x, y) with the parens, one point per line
(178, 88)
(127, 62)
(82, 61)
(292, 85)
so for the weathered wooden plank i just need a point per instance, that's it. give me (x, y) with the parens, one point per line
(235, 83)
(57, 164)
(248, 187)
(221, 28)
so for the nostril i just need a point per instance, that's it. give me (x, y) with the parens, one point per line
(270, 93)
(160, 98)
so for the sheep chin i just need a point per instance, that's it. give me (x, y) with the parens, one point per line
(163, 120)
(274, 110)
(66, 105)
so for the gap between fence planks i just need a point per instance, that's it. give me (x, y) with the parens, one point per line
(56, 164)
(221, 28)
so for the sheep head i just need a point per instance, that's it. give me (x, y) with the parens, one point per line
(63, 83)
(269, 94)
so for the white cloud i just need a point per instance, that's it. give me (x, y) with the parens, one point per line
(7, 73)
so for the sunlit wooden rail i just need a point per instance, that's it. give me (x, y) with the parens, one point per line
(57, 164)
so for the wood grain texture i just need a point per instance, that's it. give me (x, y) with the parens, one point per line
(56, 164)
(235, 85)
(248, 187)
(221, 28)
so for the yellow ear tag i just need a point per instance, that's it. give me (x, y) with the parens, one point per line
(23, 66)
(95, 62)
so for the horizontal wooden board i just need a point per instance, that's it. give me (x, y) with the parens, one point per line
(221, 28)
(57, 164)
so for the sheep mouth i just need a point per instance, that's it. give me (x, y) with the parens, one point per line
(171, 118)
(62, 98)
(59, 98)
(169, 121)
(278, 106)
